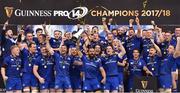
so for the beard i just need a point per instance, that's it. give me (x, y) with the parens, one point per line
(91, 56)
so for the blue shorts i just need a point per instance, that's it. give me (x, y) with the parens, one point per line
(62, 83)
(13, 84)
(76, 82)
(130, 83)
(47, 85)
(120, 76)
(29, 80)
(91, 84)
(174, 68)
(165, 81)
(112, 83)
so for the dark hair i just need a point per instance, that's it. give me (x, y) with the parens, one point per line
(29, 33)
(32, 43)
(43, 35)
(7, 30)
(168, 31)
(90, 46)
(94, 27)
(41, 46)
(114, 29)
(38, 29)
(136, 49)
(64, 45)
(144, 30)
(110, 45)
(57, 31)
(131, 28)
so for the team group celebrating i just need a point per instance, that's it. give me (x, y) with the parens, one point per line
(91, 62)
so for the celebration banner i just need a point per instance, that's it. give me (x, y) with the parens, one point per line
(71, 12)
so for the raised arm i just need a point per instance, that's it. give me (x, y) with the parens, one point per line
(159, 35)
(159, 53)
(123, 51)
(78, 29)
(106, 29)
(5, 25)
(48, 46)
(44, 28)
(177, 50)
(139, 27)
(3, 32)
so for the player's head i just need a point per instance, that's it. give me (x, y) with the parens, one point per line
(115, 43)
(144, 33)
(15, 50)
(42, 38)
(95, 29)
(120, 31)
(109, 50)
(9, 33)
(149, 33)
(114, 32)
(131, 31)
(171, 49)
(168, 36)
(97, 49)
(136, 53)
(57, 34)
(152, 51)
(74, 51)
(110, 37)
(39, 31)
(29, 36)
(68, 35)
(32, 47)
(63, 50)
(91, 51)
(44, 50)
(95, 37)
(177, 31)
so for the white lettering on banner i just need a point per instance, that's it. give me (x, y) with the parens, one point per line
(40, 13)
(75, 13)
(143, 91)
